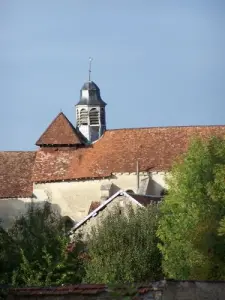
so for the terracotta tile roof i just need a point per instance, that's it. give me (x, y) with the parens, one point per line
(145, 199)
(62, 290)
(93, 206)
(118, 151)
(60, 132)
(86, 289)
(15, 174)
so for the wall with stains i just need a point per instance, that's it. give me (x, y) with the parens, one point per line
(75, 197)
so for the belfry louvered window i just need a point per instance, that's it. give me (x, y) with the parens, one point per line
(94, 119)
(83, 117)
(102, 116)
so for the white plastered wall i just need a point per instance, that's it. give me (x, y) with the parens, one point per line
(12, 208)
(74, 197)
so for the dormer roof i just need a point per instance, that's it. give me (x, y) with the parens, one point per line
(60, 133)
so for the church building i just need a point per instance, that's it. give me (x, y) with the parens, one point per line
(78, 165)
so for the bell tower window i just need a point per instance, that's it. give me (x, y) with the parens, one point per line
(102, 116)
(94, 116)
(83, 117)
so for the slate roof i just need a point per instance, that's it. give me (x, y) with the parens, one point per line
(60, 132)
(146, 199)
(93, 96)
(15, 174)
(118, 151)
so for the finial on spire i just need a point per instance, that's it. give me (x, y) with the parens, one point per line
(90, 61)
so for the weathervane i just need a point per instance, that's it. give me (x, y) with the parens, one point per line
(90, 60)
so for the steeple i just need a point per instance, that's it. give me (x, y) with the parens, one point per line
(90, 110)
(90, 61)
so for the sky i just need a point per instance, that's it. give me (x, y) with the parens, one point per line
(157, 63)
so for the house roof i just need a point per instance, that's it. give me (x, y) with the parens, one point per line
(140, 200)
(146, 199)
(83, 290)
(60, 132)
(118, 151)
(15, 174)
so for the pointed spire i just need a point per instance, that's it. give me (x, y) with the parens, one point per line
(90, 61)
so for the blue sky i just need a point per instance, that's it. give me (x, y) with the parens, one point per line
(158, 63)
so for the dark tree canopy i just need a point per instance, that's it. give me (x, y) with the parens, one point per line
(35, 250)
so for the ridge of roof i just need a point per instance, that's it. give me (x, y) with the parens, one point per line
(165, 127)
(18, 152)
(60, 132)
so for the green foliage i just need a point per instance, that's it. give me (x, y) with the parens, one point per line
(40, 245)
(221, 229)
(123, 248)
(9, 256)
(193, 214)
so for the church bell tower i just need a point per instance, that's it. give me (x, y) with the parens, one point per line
(90, 111)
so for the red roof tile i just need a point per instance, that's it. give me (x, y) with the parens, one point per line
(60, 132)
(93, 206)
(15, 174)
(118, 151)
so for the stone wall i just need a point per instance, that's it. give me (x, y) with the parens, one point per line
(163, 290)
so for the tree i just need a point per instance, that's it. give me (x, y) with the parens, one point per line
(43, 246)
(9, 256)
(192, 214)
(123, 247)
